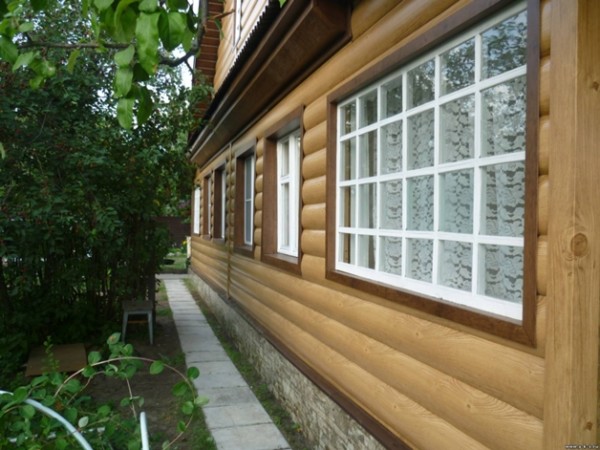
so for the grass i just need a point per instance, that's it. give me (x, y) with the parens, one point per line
(279, 415)
(175, 262)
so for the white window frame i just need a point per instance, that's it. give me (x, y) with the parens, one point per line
(197, 215)
(223, 199)
(249, 166)
(472, 299)
(287, 205)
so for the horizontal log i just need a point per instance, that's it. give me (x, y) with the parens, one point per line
(397, 412)
(313, 216)
(513, 376)
(258, 219)
(315, 113)
(258, 201)
(490, 421)
(258, 183)
(314, 165)
(314, 138)
(313, 191)
(544, 145)
(545, 86)
(542, 265)
(367, 14)
(313, 242)
(545, 20)
(313, 268)
(259, 165)
(543, 204)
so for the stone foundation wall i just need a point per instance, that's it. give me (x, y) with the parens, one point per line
(323, 422)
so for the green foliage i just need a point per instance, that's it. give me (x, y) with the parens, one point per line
(78, 199)
(23, 426)
(143, 34)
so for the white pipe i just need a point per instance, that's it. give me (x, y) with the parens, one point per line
(144, 431)
(50, 412)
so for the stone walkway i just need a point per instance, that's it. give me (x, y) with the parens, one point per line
(234, 416)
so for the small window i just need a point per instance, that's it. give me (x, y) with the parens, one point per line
(220, 202)
(281, 194)
(196, 229)
(244, 198)
(206, 205)
(288, 173)
(430, 164)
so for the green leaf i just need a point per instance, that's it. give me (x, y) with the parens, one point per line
(145, 105)
(187, 408)
(123, 80)
(139, 74)
(71, 414)
(181, 426)
(148, 6)
(104, 411)
(281, 3)
(27, 411)
(125, 112)
(180, 389)
(25, 27)
(193, 373)
(103, 4)
(72, 60)
(124, 57)
(177, 4)
(94, 357)
(187, 40)
(8, 50)
(36, 81)
(146, 32)
(113, 338)
(172, 28)
(201, 401)
(83, 422)
(157, 367)
(2, 151)
(20, 394)
(124, 21)
(61, 443)
(38, 5)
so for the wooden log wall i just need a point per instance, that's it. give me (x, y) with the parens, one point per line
(433, 383)
(228, 50)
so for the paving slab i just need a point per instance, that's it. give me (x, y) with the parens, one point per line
(234, 416)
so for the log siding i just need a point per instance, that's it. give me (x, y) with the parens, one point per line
(413, 378)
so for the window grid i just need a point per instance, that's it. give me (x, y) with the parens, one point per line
(288, 171)
(354, 247)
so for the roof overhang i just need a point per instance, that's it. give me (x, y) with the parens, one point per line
(298, 40)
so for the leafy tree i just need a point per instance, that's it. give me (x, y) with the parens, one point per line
(140, 35)
(78, 197)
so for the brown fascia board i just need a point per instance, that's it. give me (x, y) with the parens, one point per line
(301, 38)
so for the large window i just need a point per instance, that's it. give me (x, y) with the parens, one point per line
(430, 172)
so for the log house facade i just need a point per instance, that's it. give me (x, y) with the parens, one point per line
(401, 197)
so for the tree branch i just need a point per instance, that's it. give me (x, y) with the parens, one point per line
(67, 46)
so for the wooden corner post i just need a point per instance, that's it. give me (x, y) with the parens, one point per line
(571, 384)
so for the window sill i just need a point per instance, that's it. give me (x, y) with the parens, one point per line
(285, 262)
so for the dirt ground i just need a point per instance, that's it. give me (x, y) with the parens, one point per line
(161, 407)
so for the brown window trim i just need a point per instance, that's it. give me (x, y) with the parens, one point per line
(206, 199)
(242, 152)
(269, 253)
(522, 332)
